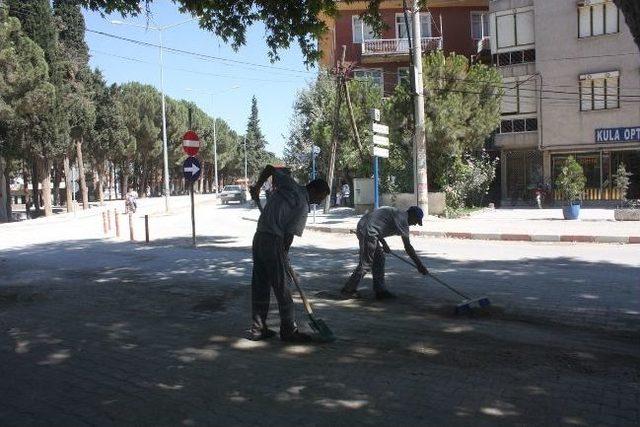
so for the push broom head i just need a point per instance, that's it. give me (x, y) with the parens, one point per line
(467, 306)
(325, 334)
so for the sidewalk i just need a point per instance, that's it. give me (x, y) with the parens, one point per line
(531, 225)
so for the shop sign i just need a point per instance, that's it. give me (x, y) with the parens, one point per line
(618, 134)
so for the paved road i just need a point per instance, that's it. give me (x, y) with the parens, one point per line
(105, 332)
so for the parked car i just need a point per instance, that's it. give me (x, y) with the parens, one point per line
(233, 193)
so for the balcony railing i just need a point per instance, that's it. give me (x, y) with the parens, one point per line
(398, 46)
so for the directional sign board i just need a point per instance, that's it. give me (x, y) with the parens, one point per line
(191, 169)
(380, 152)
(382, 141)
(380, 129)
(191, 143)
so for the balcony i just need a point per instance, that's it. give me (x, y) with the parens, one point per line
(381, 49)
(481, 44)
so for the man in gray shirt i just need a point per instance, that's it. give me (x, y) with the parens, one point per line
(284, 216)
(372, 229)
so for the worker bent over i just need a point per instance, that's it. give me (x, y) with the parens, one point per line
(371, 231)
(284, 216)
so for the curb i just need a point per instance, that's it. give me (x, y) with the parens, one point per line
(500, 237)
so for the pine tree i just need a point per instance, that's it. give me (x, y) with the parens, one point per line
(256, 155)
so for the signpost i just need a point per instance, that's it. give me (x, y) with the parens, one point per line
(379, 148)
(315, 150)
(191, 169)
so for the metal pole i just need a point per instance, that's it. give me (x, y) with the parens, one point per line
(313, 175)
(164, 131)
(376, 194)
(246, 180)
(193, 217)
(146, 228)
(215, 149)
(419, 140)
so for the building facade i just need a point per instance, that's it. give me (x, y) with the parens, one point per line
(459, 26)
(571, 74)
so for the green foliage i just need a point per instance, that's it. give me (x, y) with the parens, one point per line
(462, 108)
(622, 181)
(257, 156)
(312, 123)
(571, 180)
(469, 180)
(37, 23)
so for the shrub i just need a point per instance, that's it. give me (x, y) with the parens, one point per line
(571, 181)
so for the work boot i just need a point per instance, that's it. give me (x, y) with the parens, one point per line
(346, 294)
(384, 294)
(296, 337)
(260, 334)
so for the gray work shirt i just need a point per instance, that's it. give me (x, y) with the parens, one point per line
(287, 208)
(384, 222)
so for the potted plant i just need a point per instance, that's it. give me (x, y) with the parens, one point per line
(571, 182)
(627, 210)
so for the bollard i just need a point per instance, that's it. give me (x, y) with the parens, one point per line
(109, 219)
(146, 228)
(116, 219)
(104, 223)
(131, 237)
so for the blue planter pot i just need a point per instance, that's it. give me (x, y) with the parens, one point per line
(572, 211)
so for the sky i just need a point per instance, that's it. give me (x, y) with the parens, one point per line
(221, 88)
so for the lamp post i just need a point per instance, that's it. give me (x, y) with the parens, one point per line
(160, 29)
(215, 138)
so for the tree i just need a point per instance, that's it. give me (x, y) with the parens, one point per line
(110, 132)
(72, 76)
(571, 180)
(462, 107)
(257, 156)
(631, 12)
(312, 124)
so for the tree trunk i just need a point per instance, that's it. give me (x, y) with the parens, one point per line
(83, 180)
(124, 188)
(100, 172)
(68, 184)
(5, 191)
(35, 187)
(25, 187)
(45, 173)
(56, 183)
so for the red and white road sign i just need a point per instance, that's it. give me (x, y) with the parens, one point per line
(191, 143)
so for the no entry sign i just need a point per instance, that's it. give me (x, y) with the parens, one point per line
(191, 143)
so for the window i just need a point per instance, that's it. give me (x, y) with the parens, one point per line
(519, 125)
(479, 25)
(600, 91)
(403, 75)
(597, 17)
(369, 74)
(425, 25)
(520, 96)
(513, 30)
(361, 31)
(514, 57)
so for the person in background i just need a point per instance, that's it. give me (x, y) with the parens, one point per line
(346, 192)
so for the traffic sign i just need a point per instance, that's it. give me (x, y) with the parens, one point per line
(380, 152)
(191, 143)
(381, 129)
(316, 149)
(191, 169)
(380, 140)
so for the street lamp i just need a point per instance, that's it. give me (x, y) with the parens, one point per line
(160, 29)
(215, 138)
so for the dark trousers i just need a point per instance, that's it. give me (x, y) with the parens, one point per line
(269, 272)
(371, 259)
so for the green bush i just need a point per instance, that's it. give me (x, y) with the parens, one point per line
(571, 181)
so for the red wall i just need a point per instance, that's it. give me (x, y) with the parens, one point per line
(456, 27)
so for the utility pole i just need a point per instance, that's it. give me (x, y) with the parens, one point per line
(419, 136)
(339, 73)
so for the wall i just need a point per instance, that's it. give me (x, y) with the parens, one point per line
(562, 57)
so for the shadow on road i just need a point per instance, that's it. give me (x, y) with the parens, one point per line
(151, 334)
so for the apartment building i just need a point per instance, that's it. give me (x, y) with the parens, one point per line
(459, 26)
(571, 74)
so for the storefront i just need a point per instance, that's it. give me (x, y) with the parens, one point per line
(521, 175)
(620, 145)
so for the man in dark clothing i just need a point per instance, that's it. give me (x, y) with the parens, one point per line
(284, 216)
(371, 231)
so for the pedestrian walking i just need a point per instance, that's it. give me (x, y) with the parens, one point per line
(371, 231)
(283, 217)
(346, 193)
